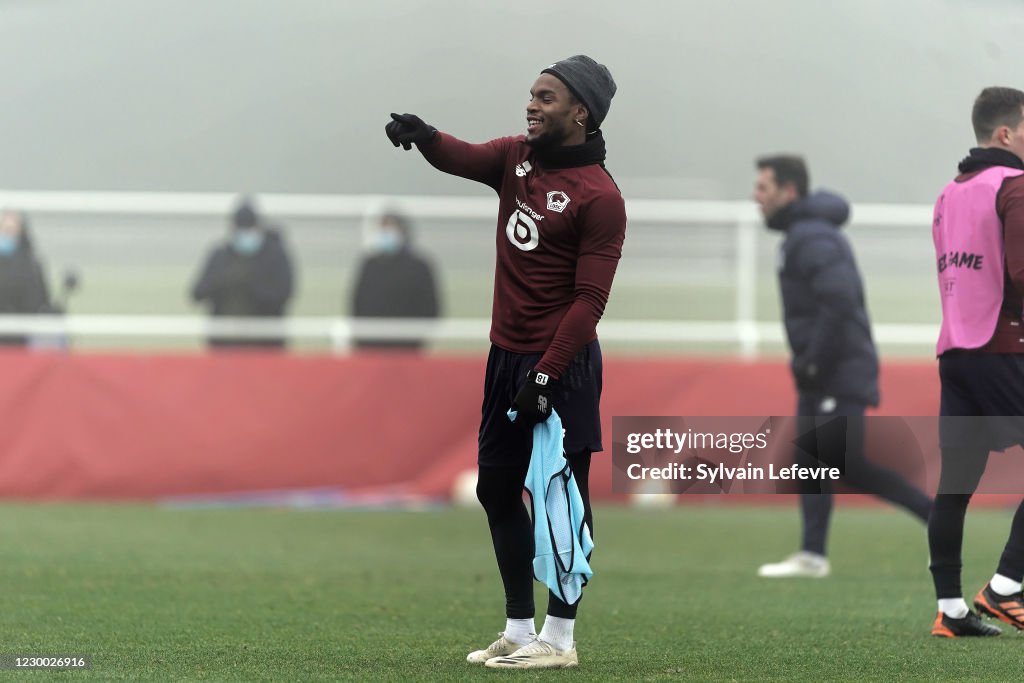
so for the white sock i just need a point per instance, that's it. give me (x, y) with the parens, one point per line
(1003, 585)
(557, 632)
(519, 631)
(954, 607)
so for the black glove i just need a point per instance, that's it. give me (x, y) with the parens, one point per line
(807, 375)
(533, 403)
(406, 129)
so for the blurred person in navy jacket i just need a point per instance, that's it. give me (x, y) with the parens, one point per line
(247, 275)
(834, 362)
(394, 281)
(23, 288)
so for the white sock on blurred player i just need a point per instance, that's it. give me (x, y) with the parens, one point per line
(1004, 585)
(520, 631)
(954, 607)
(557, 632)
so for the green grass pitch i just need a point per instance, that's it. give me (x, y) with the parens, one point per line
(253, 595)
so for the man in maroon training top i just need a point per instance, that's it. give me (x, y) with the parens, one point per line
(561, 224)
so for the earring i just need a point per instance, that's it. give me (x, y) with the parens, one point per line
(579, 123)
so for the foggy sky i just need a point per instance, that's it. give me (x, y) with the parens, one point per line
(292, 96)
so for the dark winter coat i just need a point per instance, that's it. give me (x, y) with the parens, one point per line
(826, 319)
(395, 285)
(242, 285)
(23, 288)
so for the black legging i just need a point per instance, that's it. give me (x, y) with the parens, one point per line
(500, 491)
(836, 439)
(961, 472)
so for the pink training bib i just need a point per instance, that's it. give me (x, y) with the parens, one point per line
(968, 236)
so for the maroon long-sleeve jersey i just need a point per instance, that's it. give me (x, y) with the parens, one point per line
(559, 240)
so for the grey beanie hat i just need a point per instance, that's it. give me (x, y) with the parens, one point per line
(589, 81)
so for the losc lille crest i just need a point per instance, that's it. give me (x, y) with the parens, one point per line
(557, 201)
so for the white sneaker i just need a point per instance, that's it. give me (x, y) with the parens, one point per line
(536, 655)
(798, 565)
(502, 646)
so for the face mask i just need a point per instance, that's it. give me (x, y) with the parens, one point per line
(8, 244)
(247, 241)
(388, 241)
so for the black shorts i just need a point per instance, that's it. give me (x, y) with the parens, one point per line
(576, 399)
(988, 387)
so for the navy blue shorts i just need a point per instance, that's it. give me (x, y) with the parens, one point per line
(577, 399)
(988, 387)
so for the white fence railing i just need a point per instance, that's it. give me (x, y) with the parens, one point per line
(339, 333)
(743, 330)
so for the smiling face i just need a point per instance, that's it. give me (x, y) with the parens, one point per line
(551, 114)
